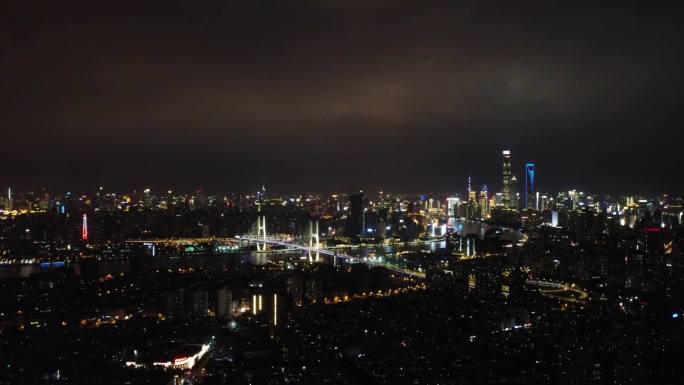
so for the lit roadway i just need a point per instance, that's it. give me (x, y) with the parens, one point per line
(560, 291)
(183, 241)
(346, 257)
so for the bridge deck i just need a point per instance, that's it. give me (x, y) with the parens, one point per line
(347, 257)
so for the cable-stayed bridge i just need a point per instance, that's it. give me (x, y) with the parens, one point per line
(314, 250)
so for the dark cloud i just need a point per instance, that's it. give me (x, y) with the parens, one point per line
(324, 95)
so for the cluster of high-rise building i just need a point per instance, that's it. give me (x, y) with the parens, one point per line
(480, 204)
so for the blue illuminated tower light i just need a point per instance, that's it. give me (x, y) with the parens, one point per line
(529, 184)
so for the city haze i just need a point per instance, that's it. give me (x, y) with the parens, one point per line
(327, 96)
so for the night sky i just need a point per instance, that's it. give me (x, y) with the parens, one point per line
(329, 95)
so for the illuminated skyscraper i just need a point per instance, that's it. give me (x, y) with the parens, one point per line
(544, 202)
(147, 197)
(574, 198)
(452, 206)
(515, 195)
(10, 204)
(506, 189)
(529, 186)
(473, 208)
(84, 228)
(484, 202)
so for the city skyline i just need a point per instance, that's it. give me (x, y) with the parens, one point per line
(521, 174)
(385, 192)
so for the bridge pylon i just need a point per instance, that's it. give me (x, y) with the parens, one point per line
(261, 220)
(314, 241)
(470, 247)
(261, 232)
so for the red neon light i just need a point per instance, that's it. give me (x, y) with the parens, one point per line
(84, 229)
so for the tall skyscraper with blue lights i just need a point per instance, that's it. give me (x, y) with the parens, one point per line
(529, 186)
